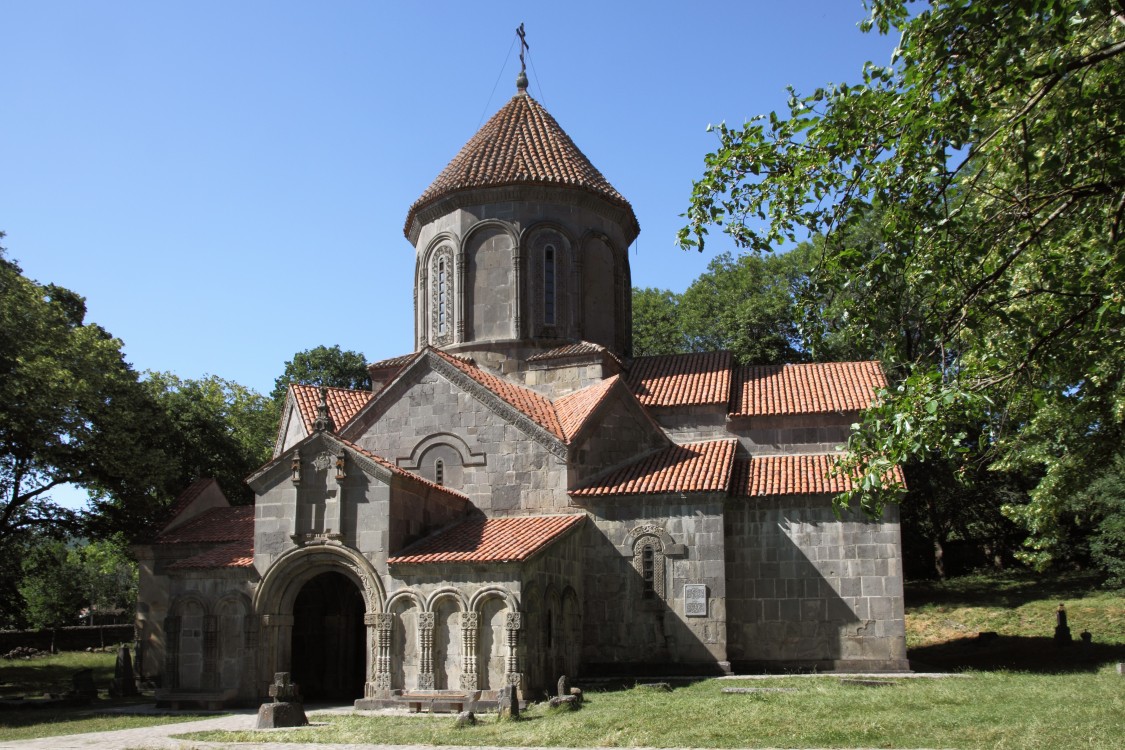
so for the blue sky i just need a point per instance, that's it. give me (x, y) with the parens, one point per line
(226, 182)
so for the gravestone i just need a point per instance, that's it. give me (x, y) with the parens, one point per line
(286, 709)
(508, 702)
(124, 682)
(465, 719)
(1062, 631)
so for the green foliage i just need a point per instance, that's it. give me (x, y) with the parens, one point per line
(323, 365)
(215, 428)
(71, 411)
(53, 586)
(991, 156)
(656, 325)
(746, 305)
(60, 581)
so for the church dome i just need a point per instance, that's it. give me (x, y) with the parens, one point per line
(521, 145)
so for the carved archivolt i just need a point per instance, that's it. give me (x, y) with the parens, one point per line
(442, 296)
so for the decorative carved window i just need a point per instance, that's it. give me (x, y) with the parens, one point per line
(442, 296)
(648, 561)
(439, 472)
(549, 285)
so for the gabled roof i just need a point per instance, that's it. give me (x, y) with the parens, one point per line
(574, 409)
(230, 524)
(489, 540)
(761, 390)
(535, 406)
(791, 475)
(695, 467)
(238, 554)
(681, 379)
(185, 498)
(520, 145)
(343, 403)
(394, 469)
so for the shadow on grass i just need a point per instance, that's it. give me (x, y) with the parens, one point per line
(1001, 590)
(1014, 653)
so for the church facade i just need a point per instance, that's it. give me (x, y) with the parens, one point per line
(520, 498)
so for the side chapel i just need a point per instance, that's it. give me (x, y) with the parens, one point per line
(520, 498)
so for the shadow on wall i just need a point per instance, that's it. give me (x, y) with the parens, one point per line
(808, 591)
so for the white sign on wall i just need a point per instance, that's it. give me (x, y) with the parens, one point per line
(695, 600)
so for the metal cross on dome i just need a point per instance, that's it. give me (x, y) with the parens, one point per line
(523, 47)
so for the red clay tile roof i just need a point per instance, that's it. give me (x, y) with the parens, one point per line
(520, 145)
(681, 379)
(489, 540)
(761, 390)
(238, 554)
(535, 406)
(577, 349)
(214, 525)
(791, 475)
(393, 362)
(394, 469)
(343, 403)
(185, 498)
(696, 467)
(575, 408)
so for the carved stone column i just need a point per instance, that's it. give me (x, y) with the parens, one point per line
(512, 625)
(210, 652)
(379, 684)
(459, 295)
(517, 331)
(426, 657)
(470, 672)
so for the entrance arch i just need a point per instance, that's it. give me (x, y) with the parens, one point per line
(275, 603)
(329, 638)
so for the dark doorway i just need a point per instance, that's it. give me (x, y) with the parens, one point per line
(329, 654)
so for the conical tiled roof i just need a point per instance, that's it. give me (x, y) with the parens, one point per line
(521, 145)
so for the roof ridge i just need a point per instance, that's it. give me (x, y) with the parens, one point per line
(519, 397)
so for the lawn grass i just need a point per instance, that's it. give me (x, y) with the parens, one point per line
(985, 710)
(32, 678)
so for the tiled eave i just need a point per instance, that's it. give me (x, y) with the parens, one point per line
(492, 541)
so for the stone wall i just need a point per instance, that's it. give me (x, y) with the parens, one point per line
(796, 433)
(508, 474)
(807, 590)
(622, 434)
(623, 630)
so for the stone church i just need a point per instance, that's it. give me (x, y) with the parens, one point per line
(520, 498)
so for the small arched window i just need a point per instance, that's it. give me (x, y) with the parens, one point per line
(549, 285)
(439, 472)
(648, 561)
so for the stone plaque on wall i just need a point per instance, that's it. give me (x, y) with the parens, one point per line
(695, 600)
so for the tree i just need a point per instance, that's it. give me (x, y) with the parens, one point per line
(54, 585)
(71, 411)
(993, 151)
(323, 365)
(747, 305)
(215, 428)
(656, 324)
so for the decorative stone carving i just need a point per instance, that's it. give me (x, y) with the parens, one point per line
(323, 461)
(341, 465)
(295, 467)
(470, 673)
(426, 657)
(649, 550)
(442, 296)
